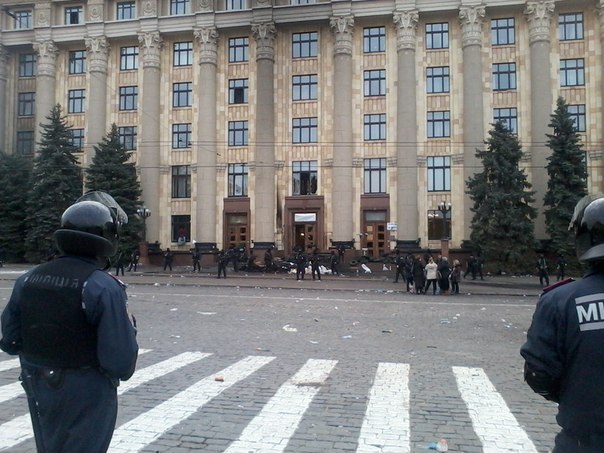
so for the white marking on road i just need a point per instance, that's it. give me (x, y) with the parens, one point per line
(10, 391)
(149, 426)
(9, 364)
(271, 429)
(494, 424)
(386, 426)
(19, 429)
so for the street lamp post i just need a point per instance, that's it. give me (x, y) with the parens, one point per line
(144, 213)
(444, 209)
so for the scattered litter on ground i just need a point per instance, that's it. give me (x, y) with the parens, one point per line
(346, 337)
(386, 331)
(174, 336)
(314, 342)
(288, 328)
(366, 268)
(206, 313)
(445, 321)
(441, 445)
(173, 309)
(219, 378)
(262, 349)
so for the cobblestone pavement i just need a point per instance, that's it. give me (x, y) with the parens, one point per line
(256, 363)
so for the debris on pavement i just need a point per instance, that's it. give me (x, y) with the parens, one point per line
(288, 328)
(219, 378)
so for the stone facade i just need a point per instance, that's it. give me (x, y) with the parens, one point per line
(344, 164)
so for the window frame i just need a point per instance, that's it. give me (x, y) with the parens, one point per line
(179, 7)
(305, 45)
(578, 112)
(508, 116)
(572, 29)
(178, 221)
(305, 130)
(438, 173)
(76, 101)
(374, 80)
(125, 10)
(374, 127)
(181, 136)
(236, 5)
(182, 94)
(68, 15)
(128, 98)
(182, 56)
(435, 81)
(305, 177)
(442, 34)
(305, 87)
(24, 143)
(127, 136)
(77, 62)
(374, 175)
(238, 91)
(437, 228)
(504, 72)
(28, 66)
(238, 133)
(238, 175)
(77, 138)
(239, 49)
(23, 19)
(129, 58)
(577, 72)
(439, 120)
(181, 181)
(503, 31)
(374, 39)
(26, 104)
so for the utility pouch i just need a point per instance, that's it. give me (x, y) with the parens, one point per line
(52, 377)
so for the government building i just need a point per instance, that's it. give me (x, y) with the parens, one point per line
(301, 123)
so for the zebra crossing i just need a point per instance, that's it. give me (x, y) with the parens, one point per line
(386, 425)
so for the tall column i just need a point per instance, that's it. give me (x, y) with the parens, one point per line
(596, 156)
(205, 213)
(98, 49)
(3, 79)
(471, 19)
(264, 171)
(45, 82)
(149, 145)
(539, 16)
(342, 186)
(406, 126)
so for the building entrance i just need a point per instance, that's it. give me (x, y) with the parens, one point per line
(237, 231)
(304, 236)
(375, 238)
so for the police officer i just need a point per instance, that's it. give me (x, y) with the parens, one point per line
(68, 321)
(564, 357)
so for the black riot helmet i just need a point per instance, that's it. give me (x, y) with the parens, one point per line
(588, 223)
(91, 226)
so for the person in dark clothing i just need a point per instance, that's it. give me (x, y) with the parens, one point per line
(300, 261)
(399, 262)
(268, 261)
(419, 276)
(134, 259)
(68, 321)
(223, 259)
(119, 263)
(333, 263)
(196, 257)
(542, 270)
(561, 267)
(470, 267)
(168, 259)
(563, 353)
(315, 265)
(455, 277)
(443, 272)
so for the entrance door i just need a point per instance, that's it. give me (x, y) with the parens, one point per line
(304, 236)
(237, 231)
(376, 238)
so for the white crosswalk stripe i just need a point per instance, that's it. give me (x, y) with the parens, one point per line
(385, 426)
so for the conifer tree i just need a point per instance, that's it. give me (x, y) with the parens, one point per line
(502, 225)
(56, 184)
(113, 172)
(15, 171)
(567, 182)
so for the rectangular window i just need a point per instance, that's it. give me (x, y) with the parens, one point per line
(182, 94)
(77, 138)
(572, 72)
(77, 62)
(181, 181)
(504, 76)
(183, 53)
(304, 87)
(570, 26)
(437, 79)
(128, 98)
(439, 124)
(304, 177)
(73, 15)
(22, 19)
(508, 116)
(126, 10)
(238, 131)
(304, 130)
(76, 101)
(181, 135)
(437, 36)
(238, 50)
(25, 143)
(180, 227)
(27, 65)
(374, 82)
(127, 136)
(438, 227)
(179, 7)
(374, 39)
(305, 45)
(302, 2)
(128, 58)
(233, 5)
(238, 180)
(238, 89)
(374, 127)
(375, 175)
(439, 173)
(503, 32)
(26, 105)
(577, 113)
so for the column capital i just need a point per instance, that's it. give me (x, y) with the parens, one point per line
(47, 57)
(265, 34)
(98, 50)
(151, 42)
(208, 40)
(471, 18)
(539, 16)
(342, 28)
(406, 29)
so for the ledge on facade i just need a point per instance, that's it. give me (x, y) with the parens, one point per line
(408, 245)
(206, 247)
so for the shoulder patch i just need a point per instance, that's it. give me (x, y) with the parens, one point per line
(547, 289)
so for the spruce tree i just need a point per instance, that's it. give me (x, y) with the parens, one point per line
(113, 172)
(567, 180)
(15, 171)
(56, 184)
(502, 226)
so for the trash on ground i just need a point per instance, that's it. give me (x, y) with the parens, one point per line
(445, 321)
(346, 337)
(219, 378)
(288, 328)
(441, 445)
(386, 331)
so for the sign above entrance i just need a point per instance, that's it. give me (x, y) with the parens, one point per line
(305, 217)
(391, 226)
